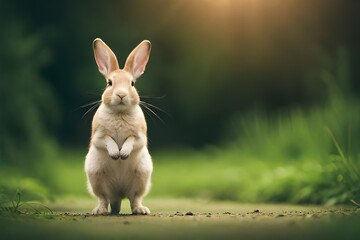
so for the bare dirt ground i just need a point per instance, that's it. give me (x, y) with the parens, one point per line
(192, 219)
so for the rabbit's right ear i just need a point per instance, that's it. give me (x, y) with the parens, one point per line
(138, 58)
(104, 57)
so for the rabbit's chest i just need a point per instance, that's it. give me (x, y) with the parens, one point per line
(120, 129)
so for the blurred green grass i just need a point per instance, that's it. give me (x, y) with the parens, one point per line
(221, 174)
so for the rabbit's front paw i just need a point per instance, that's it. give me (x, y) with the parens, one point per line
(124, 156)
(140, 210)
(115, 156)
(124, 153)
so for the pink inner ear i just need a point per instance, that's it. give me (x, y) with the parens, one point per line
(140, 62)
(102, 60)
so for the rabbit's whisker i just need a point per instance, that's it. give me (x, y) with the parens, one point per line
(90, 104)
(148, 107)
(93, 105)
(156, 107)
(148, 113)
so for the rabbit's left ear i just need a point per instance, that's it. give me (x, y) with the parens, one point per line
(138, 58)
(104, 57)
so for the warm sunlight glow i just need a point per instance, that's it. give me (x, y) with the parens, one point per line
(222, 2)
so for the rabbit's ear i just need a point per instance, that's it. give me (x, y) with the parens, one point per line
(138, 58)
(104, 57)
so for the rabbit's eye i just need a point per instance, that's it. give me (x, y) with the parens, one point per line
(132, 83)
(109, 83)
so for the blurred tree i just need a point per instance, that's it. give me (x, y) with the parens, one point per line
(28, 108)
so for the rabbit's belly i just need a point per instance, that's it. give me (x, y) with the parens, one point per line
(120, 178)
(114, 177)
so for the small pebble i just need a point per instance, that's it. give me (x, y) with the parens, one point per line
(179, 214)
(189, 214)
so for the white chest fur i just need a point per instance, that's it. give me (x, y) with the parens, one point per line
(119, 126)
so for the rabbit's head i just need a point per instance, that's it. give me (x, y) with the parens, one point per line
(120, 93)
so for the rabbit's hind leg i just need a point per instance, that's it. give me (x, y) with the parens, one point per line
(137, 208)
(115, 205)
(102, 207)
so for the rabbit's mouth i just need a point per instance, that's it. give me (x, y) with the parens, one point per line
(120, 102)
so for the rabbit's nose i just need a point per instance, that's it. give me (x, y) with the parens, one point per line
(121, 95)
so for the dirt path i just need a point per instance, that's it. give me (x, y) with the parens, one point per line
(192, 219)
(200, 209)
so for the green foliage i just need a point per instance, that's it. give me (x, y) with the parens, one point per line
(348, 172)
(69, 176)
(11, 206)
(229, 174)
(27, 105)
(31, 188)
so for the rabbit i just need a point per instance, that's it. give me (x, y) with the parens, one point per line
(118, 164)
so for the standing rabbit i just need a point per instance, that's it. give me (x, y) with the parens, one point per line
(119, 132)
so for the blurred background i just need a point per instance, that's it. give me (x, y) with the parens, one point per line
(259, 99)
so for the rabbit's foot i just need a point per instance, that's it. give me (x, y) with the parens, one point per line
(99, 210)
(142, 210)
